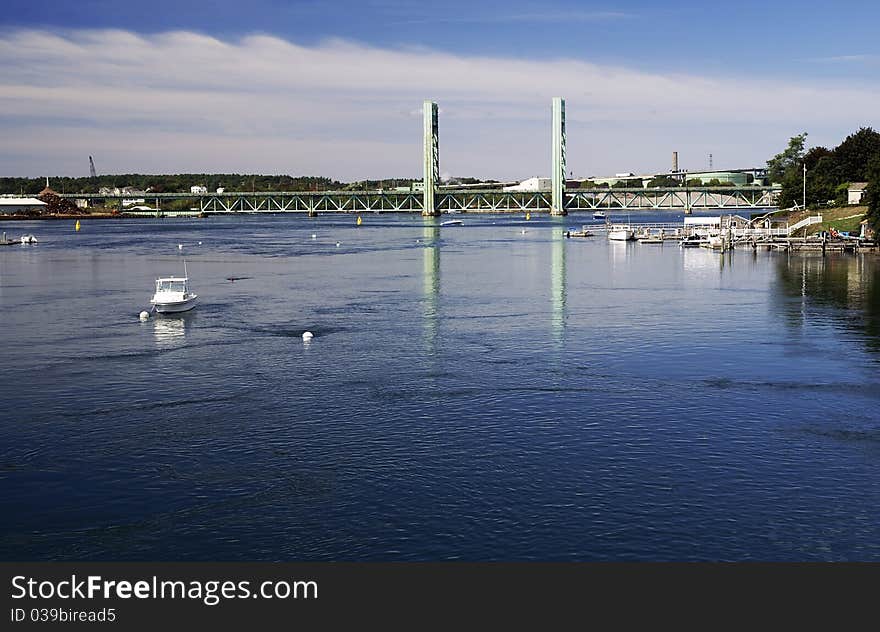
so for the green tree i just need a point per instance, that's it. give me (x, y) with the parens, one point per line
(814, 155)
(854, 154)
(786, 168)
(823, 180)
(663, 182)
(781, 165)
(871, 196)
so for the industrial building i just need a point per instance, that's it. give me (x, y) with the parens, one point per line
(532, 184)
(737, 178)
(12, 205)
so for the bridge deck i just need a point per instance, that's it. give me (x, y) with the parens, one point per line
(472, 200)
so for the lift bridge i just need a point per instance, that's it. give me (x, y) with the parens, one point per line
(434, 200)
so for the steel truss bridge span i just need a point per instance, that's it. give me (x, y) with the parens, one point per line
(470, 200)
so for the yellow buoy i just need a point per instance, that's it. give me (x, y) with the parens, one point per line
(528, 216)
(359, 220)
(77, 226)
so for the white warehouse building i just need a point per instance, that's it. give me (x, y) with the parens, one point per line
(11, 205)
(532, 184)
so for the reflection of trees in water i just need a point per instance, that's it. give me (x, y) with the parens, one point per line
(850, 285)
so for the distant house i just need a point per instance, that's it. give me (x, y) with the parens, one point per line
(855, 191)
(738, 221)
(11, 205)
(198, 190)
(117, 191)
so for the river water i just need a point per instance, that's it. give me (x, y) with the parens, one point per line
(472, 393)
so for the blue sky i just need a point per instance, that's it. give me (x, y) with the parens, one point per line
(640, 79)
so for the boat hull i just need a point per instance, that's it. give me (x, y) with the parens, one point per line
(176, 307)
(621, 235)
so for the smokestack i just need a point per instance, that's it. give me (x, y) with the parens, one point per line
(675, 162)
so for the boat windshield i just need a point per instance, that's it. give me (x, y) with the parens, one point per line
(171, 286)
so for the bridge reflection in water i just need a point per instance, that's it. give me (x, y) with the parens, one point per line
(431, 282)
(558, 284)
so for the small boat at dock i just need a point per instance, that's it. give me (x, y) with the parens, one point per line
(693, 241)
(715, 242)
(621, 233)
(599, 215)
(583, 232)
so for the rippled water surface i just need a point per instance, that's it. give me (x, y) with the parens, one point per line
(471, 392)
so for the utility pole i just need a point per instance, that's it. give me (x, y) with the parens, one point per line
(805, 186)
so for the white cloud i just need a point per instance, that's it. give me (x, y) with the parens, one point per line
(182, 101)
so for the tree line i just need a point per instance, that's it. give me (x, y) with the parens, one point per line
(830, 172)
(173, 183)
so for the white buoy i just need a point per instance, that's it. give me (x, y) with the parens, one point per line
(314, 236)
(308, 336)
(200, 243)
(523, 231)
(338, 244)
(180, 246)
(144, 315)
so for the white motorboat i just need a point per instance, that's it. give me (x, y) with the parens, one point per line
(173, 296)
(28, 239)
(599, 215)
(714, 242)
(452, 222)
(583, 232)
(621, 233)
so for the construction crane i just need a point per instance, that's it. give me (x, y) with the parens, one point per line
(92, 172)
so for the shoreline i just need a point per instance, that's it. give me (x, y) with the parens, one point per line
(25, 218)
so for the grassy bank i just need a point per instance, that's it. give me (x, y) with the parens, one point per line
(842, 218)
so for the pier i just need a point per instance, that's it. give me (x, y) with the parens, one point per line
(725, 235)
